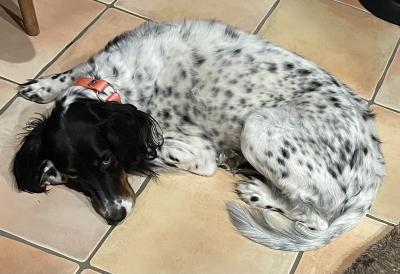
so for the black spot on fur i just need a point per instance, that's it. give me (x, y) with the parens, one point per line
(185, 32)
(315, 84)
(91, 63)
(187, 119)
(285, 174)
(242, 101)
(336, 83)
(173, 158)
(197, 58)
(347, 146)
(115, 72)
(231, 32)
(285, 153)
(250, 58)
(228, 93)
(168, 92)
(303, 72)
(288, 66)
(375, 139)
(254, 198)
(55, 76)
(368, 115)
(48, 90)
(183, 74)
(280, 161)
(62, 79)
(272, 68)
(115, 41)
(166, 114)
(233, 81)
(309, 166)
(355, 158)
(269, 154)
(333, 99)
(236, 52)
(332, 172)
(339, 168)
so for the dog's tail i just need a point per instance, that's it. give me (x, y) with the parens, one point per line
(278, 232)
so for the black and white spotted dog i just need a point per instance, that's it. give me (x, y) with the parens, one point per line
(219, 96)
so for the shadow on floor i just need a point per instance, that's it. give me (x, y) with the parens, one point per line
(15, 44)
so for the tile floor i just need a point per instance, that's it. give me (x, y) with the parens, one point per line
(180, 226)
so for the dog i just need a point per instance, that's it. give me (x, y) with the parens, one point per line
(196, 95)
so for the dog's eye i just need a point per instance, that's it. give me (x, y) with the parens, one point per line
(106, 160)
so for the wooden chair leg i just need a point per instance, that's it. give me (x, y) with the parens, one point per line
(29, 17)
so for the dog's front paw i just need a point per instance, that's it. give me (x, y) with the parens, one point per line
(39, 91)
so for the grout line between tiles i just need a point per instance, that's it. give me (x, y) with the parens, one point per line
(271, 10)
(354, 7)
(384, 73)
(380, 220)
(37, 246)
(80, 34)
(8, 80)
(132, 13)
(296, 262)
(388, 108)
(112, 6)
(6, 105)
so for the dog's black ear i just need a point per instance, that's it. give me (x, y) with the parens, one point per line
(29, 161)
(133, 134)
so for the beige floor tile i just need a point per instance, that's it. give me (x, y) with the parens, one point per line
(354, 3)
(338, 255)
(60, 21)
(349, 43)
(7, 91)
(389, 93)
(240, 13)
(136, 182)
(112, 23)
(387, 204)
(19, 258)
(180, 225)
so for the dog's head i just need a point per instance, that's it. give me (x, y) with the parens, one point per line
(89, 147)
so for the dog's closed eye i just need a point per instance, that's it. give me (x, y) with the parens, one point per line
(72, 175)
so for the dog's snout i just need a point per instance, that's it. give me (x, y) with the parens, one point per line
(116, 216)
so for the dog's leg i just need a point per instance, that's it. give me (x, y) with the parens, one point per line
(190, 153)
(46, 88)
(267, 142)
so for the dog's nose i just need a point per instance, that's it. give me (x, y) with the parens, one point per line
(116, 216)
